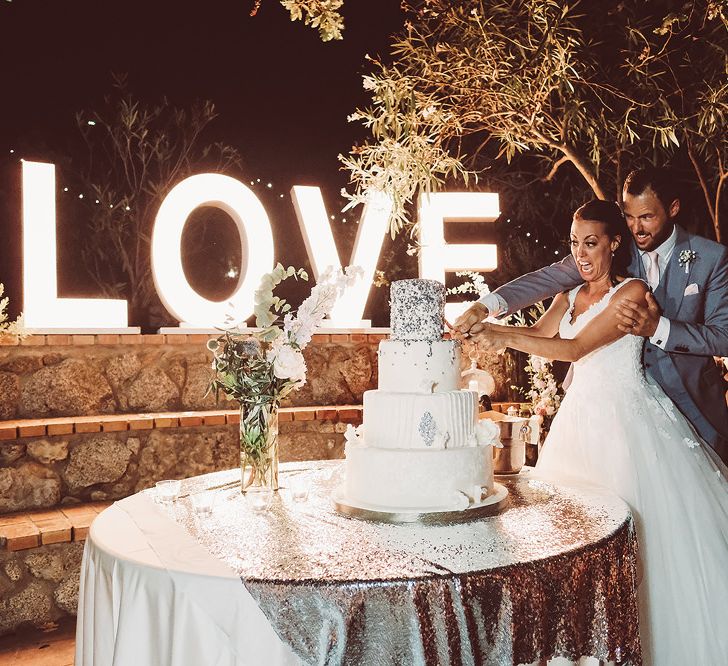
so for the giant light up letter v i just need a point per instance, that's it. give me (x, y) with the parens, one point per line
(43, 309)
(321, 249)
(437, 256)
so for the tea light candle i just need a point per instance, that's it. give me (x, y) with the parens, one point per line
(167, 491)
(473, 385)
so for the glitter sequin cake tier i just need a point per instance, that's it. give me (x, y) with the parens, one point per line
(417, 310)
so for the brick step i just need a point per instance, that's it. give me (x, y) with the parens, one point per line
(85, 339)
(49, 427)
(30, 529)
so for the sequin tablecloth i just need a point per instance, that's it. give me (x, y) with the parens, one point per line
(552, 575)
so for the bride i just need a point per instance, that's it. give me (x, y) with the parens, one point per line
(617, 430)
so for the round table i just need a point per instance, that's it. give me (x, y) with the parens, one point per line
(553, 575)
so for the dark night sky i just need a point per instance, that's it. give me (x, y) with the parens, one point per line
(282, 94)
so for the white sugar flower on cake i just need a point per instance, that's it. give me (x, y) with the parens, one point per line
(487, 433)
(354, 436)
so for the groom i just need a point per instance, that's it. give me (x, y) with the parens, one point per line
(686, 317)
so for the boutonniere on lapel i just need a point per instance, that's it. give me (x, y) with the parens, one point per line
(687, 257)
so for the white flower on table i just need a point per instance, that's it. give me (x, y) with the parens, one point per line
(288, 362)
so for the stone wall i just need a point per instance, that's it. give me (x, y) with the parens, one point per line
(154, 373)
(46, 472)
(39, 586)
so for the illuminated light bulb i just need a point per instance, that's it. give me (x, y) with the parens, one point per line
(556, 251)
(269, 185)
(97, 201)
(80, 196)
(65, 189)
(11, 151)
(127, 208)
(257, 180)
(528, 234)
(91, 122)
(282, 195)
(252, 182)
(256, 249)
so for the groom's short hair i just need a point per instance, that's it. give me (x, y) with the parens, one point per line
(661, 180)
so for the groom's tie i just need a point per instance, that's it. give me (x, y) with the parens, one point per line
(653, 269)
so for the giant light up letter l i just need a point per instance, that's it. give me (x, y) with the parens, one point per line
(437, 256)
(256, 244)
(42, 307)
(319, 240)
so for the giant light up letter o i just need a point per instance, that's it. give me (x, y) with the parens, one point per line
(256, 244)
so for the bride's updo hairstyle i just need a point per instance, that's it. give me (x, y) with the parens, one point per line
(610, 215)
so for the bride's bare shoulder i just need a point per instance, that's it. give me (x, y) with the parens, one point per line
(634, 289)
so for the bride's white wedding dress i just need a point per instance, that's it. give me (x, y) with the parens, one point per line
(617, 430)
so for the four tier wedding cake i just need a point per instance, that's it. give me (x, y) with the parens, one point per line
(421, 446)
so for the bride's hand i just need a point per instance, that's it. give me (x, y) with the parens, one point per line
(490, 338)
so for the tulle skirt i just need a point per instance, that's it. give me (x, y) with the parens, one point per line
(634, 441)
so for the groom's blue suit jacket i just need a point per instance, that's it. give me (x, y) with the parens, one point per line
(696, 303)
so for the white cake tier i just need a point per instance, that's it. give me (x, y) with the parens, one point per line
(419, 421)
(419, 366)
(424, 479)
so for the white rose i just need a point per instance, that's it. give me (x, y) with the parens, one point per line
(487, 433)
(288, 363)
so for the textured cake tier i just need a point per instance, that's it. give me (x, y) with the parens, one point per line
(417, 421)
(449, 479)
(417, 310)
(416, 366)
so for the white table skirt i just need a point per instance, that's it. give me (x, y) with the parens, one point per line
(151, 596)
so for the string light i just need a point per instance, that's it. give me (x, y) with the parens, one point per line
(91, 122)
(528, 234)
(80, 196)
(127, 208)
(65, 189)
(269, 185)
(11, 151)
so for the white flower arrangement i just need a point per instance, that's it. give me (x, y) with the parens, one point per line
(686, 257)
(268, 364)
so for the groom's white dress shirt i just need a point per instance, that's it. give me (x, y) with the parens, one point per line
(496, 304)
(664, 252)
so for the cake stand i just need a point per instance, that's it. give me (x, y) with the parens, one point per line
(490, 506)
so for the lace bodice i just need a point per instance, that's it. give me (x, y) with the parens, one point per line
(619, 361)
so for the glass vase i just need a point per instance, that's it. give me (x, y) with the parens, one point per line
(259, 446)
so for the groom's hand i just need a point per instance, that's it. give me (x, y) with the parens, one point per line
(639, 318)
(471, 321)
